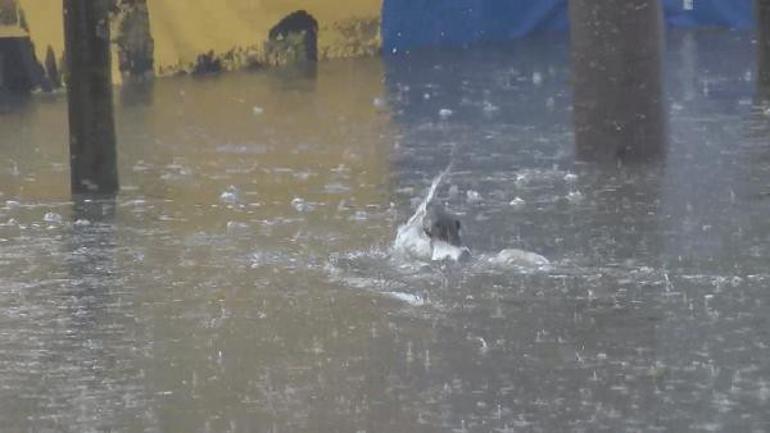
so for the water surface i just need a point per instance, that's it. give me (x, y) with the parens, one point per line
(242, 280)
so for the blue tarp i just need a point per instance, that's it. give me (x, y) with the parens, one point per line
(737, 14)
(409, 24)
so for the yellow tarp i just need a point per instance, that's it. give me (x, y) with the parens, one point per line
(184, 29)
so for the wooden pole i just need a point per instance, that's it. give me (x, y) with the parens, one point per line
(616, 49)
(93, 157)
(763, 47)
(2, 70)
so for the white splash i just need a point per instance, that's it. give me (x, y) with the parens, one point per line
(537, 78)
(575, 196)
(53, 218)
(472, 196)
(444, 251)
(412, 241)
(230, 196)
(520, 258)
(489, 107)
(379, 103)
(517, 203)
(82, 223)
(300, 205)
(411, 238)
(411, 299)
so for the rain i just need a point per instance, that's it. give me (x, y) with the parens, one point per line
(246, 277)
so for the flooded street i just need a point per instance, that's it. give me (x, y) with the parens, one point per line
(243, 279)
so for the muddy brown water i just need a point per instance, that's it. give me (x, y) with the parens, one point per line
(276, 308)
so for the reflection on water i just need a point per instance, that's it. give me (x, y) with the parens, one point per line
(242, 280)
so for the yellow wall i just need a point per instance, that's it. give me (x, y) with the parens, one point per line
(46, 25)
(184, 29)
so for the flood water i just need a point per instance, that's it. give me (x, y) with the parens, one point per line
(242, 280)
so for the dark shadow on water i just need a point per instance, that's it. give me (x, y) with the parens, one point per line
(137, 93)
(94, 208)
(91, 339)
(300, 77)
(13, 102)
(92, 247)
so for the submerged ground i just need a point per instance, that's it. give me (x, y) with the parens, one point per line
(241, 282)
